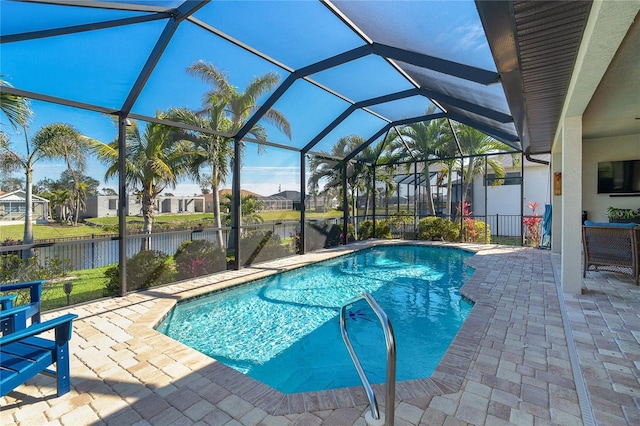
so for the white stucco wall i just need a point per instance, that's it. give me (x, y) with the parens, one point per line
(594, 151)
(536, 187)
(505, 199)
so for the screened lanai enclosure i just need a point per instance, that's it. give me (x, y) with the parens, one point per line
(174, 139)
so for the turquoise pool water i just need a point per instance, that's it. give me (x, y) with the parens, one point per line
(284, 330)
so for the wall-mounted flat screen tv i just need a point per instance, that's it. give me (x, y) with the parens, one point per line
(619, 177)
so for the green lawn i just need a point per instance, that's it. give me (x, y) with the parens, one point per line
(88, 284)
(41, 232)
(267, 215)
(108, 225)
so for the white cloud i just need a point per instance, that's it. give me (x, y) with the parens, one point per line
(472, 37)
(46, 171)
(263, 180)
(463, 39)
(184, 189)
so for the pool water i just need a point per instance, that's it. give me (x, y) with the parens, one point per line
(284, 330)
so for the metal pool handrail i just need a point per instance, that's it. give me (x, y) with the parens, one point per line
(391, 358)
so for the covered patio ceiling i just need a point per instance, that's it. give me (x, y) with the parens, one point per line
(345, 67)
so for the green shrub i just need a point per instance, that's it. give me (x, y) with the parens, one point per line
(260, 246)
(437, 229)
(322, 235)
(198, 257)
(400, 218)
(146, 269)
(334, 236)
(14, 269)
(365, 230)
(12, 265)
(317, 236)
(474, 231)
(351, 234)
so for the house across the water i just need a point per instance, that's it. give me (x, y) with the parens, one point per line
(13, 207)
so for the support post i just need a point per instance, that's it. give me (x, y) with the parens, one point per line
(345, 205)
(571, 205)
(522, 200)
(235, 201)
(303, 203)
(415, 200)
(122, 202)
(374, 197)
(486, 184)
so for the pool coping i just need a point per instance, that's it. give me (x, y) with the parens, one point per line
(518, 368)
(447, 378)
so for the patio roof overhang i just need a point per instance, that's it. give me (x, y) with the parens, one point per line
(513, 91)
(503, 67)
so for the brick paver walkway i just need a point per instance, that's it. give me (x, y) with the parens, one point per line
(510, 363)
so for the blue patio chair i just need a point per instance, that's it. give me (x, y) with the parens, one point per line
(7, 302)
(31, 310)
(23, 355)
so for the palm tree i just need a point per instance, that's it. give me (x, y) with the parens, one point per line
(225, 110)
(447, 167)
(61, 140)
(40, 148)
(80, 199)
(210, 152)
(370, 155)
(250, 206)
(329, 194)
(423, 141)
(154, 162)
(239, 106)
(330, 170)
(474, 145)
(448, 159)
(385, 174)
(58, 202)
(365, 174)
(18, 112)
(391, 152)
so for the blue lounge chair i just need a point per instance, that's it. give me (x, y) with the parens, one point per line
(32, 311)
(23, 354)
(7, 302)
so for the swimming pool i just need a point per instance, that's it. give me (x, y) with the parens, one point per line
(284, 330)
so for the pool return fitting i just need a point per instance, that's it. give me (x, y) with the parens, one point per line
(373, 417)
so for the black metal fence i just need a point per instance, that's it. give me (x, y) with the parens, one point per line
(98, 251)
(258, 242)
(501, 229)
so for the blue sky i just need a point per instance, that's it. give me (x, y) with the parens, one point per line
(99, 67)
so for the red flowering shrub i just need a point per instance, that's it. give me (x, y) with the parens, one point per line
(473, 230)
(532, 224)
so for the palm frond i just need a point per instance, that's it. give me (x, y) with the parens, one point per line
(11, 161)
(15, 108)
(261, 85)
(209, 74)
(279, 121)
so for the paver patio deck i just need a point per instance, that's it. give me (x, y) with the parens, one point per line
(512, 362)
